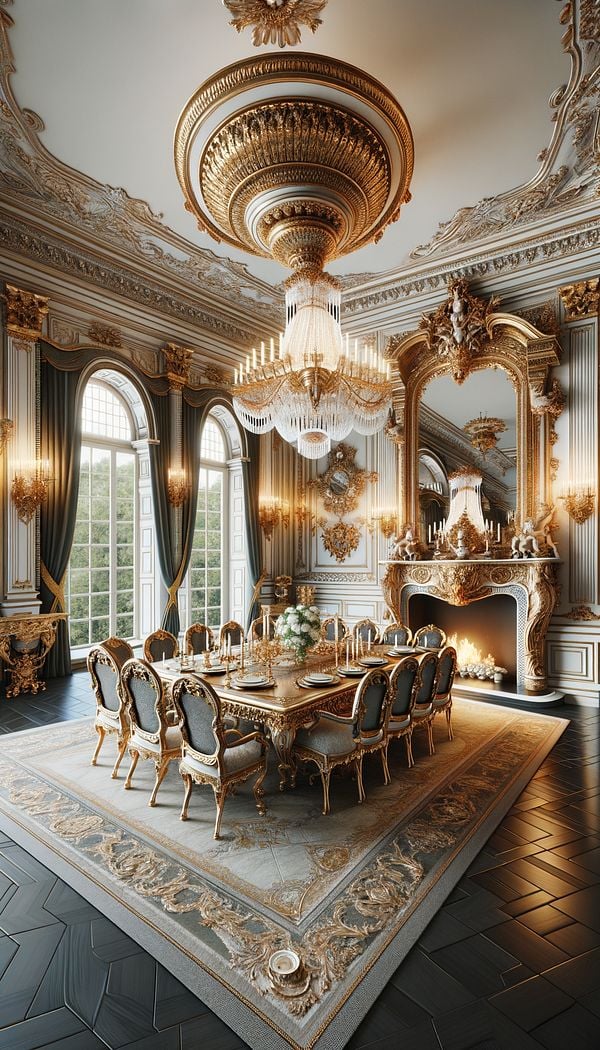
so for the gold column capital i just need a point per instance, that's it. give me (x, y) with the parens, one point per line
(178, 360)
(25, 313)
(581, 299)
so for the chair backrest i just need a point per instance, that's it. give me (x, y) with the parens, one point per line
(430, 636)
(371, 705)
(428, 667)
(396, 634)
(363, 628)
(198, 638)
(328, 629)
(119, 649)
(104, 672)
(160, 645)
(202, 726)
(446, 671)
(405, 681)
(144, 699)
(257, 628)
(232, 630)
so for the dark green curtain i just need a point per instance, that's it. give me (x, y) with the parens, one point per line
(174, 546)
(253, 547)
(60, 444)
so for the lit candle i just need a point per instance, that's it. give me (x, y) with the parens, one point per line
(336, 629)
(280, 345)
(498, 532)
(254, 357)
(396, 642)
(247, 363)
(272, 350)
(347, 651)
(369, 640)
(262, 352)
(429, 533)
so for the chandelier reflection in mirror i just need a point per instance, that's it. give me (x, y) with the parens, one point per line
(484, 432)
(302, 158)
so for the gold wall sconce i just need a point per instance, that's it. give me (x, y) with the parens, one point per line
(579, 503)
(30, 489)
(388, 522)
(271, 513)
(6, 429)
(177, 486)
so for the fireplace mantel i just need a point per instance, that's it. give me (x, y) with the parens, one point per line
(532, 582)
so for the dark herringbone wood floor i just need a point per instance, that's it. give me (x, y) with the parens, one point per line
(512, 959)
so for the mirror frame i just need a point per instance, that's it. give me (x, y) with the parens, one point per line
(504, 341)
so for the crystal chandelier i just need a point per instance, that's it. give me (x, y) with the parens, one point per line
(484, 432)
(302, 158)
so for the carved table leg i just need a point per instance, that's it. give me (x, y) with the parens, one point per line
(283, 742)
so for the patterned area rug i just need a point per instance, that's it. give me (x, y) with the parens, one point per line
(348, 893)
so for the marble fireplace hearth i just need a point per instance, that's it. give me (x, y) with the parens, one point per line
(531, 583)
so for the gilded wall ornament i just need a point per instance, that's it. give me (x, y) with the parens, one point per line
(342, 484)
(105, 335)
(178, 361)
(275, 21)
(340, 540)
(25, 313)
(459, 329)
(581, 612)
(581, 299)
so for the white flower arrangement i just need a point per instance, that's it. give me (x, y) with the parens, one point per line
(299, 628)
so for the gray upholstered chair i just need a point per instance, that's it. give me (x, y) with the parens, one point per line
(160, 645)
(333, 740)
(232, 630)
(198, 638)
(363, 628)
(119, 649)
(328, 629)
(110, 708)
(212, 753)
(442, 700)
(430, 637)
(422, 712)
(152, 736)
(405, 681)
(396, 633)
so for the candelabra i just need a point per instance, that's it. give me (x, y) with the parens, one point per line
(265, 650)
(30, 489)
(177, 486)
(579, 503)
(6, 429)
(272, 513)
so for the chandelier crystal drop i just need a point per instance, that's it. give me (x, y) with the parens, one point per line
(302, 158)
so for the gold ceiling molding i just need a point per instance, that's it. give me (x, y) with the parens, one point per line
(275, 21)
(306, 176)
(581, 299)
(25, 313)
(569, 173)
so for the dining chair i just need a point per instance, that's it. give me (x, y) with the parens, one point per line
(430, 637)
(160, 645)
(442, 700)
(328, 629)
(198, 638)
(110, 708)
(119, 649)
(422, 712)
(232, 630)
(405, 681)
(257, 628)
(212, 753)
(334, 740)
(363, 628)
(396, 633)
(152, 735)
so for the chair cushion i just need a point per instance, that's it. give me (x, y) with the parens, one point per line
(234, 759)
(441, 701)
(393, 727)
(172, 739)
(327, 738)
(421, 712)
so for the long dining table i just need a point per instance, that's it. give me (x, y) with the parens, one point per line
(285, 705)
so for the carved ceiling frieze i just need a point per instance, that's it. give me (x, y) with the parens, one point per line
(105, 335)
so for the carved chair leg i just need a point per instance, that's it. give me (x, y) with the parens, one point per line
(122, 749)
(325, 775)
(409, 752)
(188, 784)
(259, 793)
(449, 721)
(430, 736)
(101, 734)
(161, 772)
(359, 779)
(384, 762)
(220, 793)
(134, 761)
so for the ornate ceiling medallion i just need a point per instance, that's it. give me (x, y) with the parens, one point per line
(302, 158)
(275, 21)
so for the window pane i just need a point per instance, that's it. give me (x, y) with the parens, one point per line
(212, 445)
(79, 633)
(104, 414)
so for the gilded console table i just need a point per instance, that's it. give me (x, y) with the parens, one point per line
(24, 644)
(532, 582)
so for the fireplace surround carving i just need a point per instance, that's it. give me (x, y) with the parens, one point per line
(532, 583)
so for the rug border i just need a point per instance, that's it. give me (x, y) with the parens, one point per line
(335, 1030)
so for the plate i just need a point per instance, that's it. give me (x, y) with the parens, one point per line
(319, 678)
(253, 682)
(372, 661)
(217, 669)
(304, 683)
(401, 650)
(352, 672)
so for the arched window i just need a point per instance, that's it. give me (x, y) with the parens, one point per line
(103, 581)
